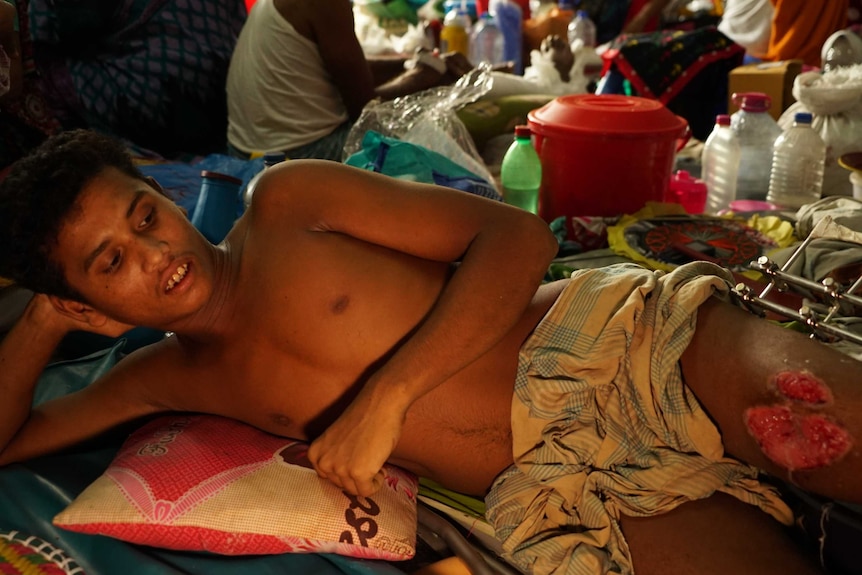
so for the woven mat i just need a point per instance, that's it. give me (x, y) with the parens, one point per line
(21, 554)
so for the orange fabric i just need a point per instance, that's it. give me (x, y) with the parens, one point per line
(800, 27)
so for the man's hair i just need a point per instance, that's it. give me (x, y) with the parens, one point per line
(37, 196)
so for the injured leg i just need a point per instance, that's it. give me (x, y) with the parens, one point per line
(782, 401)
(791, 431)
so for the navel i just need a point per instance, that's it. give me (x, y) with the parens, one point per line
(340, 304)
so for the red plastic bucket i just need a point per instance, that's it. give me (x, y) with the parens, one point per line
(604, 155)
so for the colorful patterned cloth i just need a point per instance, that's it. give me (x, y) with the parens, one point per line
(603, 425)
(26, 555)
(660, 64)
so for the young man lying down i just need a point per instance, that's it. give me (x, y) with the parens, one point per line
(614, 422)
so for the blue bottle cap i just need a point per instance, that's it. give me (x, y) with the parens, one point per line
(271, 158)
(803, 117)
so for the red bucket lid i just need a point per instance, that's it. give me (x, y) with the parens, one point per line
(605, 114)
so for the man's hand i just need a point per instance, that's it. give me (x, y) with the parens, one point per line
(352, 451)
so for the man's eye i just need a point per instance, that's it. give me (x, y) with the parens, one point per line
(148, 219)
(114, 264)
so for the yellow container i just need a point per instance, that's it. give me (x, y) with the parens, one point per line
(455, 35)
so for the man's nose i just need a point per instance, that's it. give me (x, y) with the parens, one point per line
(156, 253)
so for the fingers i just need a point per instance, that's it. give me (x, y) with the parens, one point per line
(355, 478)
(363, 485)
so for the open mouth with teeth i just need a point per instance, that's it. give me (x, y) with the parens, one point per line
(178, 276)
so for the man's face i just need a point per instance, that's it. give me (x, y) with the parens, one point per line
(132, 253)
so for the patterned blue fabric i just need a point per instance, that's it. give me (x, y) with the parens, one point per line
(152, 71)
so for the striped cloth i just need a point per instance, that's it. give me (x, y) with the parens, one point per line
(604, 426)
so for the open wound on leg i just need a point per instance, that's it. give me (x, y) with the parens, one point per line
(802, 386)
(789, 433)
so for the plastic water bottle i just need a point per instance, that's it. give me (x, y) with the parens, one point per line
(582, 28)
(720, 165)
(269, 159)
(455, 35)
(798, 161)
(216, 207)
(486, 41)
(521, 172)
(509, 18)
(756, 131)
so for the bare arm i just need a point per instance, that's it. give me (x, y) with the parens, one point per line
(59, 423)
(504, 254)
(333, 30)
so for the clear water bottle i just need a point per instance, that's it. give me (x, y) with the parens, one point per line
(720, 165)
(756, 131)
(798, 160)
(521, 172)
(486, 41)
(455, 35)
(269, 159)
(582, 28)
(510, 19)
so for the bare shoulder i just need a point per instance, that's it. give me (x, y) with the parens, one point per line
(313, 184)
(426, 220)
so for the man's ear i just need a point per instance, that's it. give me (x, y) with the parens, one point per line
(90, 318)
(78, 311)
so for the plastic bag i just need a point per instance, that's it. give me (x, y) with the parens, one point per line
(405, 160)
(428, 119)
(834, 98)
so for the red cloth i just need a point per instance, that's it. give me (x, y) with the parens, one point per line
(635, 7)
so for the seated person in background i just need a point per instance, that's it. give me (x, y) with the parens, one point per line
(298, 79)
(749, 24)
(148, 71)
(390, 320)
(801, 27)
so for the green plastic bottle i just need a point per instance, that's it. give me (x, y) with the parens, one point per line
(521, 172)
